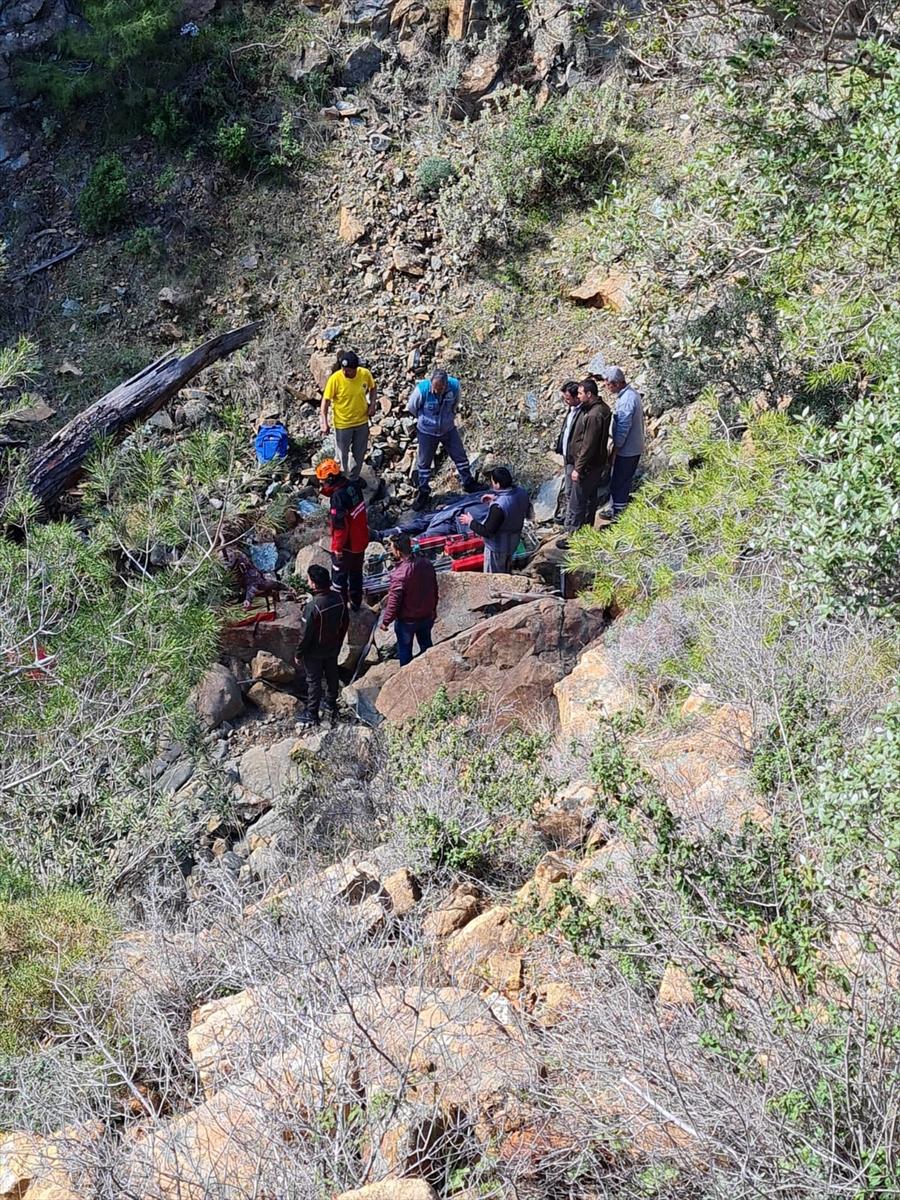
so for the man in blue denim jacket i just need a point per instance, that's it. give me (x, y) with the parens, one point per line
(433, 403)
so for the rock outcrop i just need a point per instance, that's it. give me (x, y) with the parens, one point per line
(442, 1052)
(704, 773)
(513, 659)
(590, 693)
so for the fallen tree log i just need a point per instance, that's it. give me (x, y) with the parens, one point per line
(57, 465)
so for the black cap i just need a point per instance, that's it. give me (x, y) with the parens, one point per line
(349, 358)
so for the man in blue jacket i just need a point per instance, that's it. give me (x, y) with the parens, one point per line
(627, 436)
(433, 402)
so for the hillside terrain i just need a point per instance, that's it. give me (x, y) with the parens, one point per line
(597, 897)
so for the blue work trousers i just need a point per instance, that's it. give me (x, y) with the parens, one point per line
(452, 443)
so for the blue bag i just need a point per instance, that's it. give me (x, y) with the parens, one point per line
(271, 442)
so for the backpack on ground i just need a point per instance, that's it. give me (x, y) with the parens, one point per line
(271, 442)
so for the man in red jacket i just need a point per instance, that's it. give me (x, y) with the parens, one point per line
(349, 530)
(412, 598)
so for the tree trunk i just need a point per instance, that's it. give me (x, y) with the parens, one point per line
(54, 467)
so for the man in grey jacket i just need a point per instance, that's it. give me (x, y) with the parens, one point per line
(433, 402)
(627, 436)
(501, 528)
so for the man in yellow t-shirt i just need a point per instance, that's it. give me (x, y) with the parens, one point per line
(350, 392)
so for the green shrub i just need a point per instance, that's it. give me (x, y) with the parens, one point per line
(122, 40)
(232, 144)
(463, 787)
(103, 202)
(840, 521)
(522, 169)
(128, 644)
(42, 933)
(691, 525)
(169, 126)
(546, 155)
(288, 152)
(432, 172)
(145, 242)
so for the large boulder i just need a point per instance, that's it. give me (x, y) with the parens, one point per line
(600, 288)
(442, 1049)
(278, 637)
(46, 1168)
(513, 659)
(591, 693)
(463, 597)
(363, 694)
(272, 772)
(217, 697)
(486, 951)
(223, 1032)
(273, 702)
(363, 61)
(314, 553)
(274, 670)
(321, 365)
(358, 633)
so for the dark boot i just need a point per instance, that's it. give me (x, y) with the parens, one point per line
(307, 720)
(331, 711)
(422, 500)
(472, 486)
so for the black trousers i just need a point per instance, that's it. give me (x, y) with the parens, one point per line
(584, 495)
(309, 681)
(347, 575)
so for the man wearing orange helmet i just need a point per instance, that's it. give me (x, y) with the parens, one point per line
(349, 530)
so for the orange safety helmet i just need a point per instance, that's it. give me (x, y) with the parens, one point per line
(326, 468)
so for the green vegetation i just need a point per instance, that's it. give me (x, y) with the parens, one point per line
(103, 202)
(525, 168)
(432, 172)
(42, 933)
(122, 41)
(690, 527)
(842, 515)
(123, 642)
(144, 242)
(466, 788)
(232, 144)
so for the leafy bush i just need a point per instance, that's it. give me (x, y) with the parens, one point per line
(232, 144)
(521, 169)
(461, 788)
(145, 242)
(122, 642)
(432, 172)
(122, 40)
(103, 202)
(42, 933)
(169, 126)
(841, 519)
(288, 151)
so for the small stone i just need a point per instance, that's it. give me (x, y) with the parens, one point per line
(404, 891)
(350, 228)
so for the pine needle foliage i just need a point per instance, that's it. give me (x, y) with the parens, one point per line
(105, 629)
(691, 526)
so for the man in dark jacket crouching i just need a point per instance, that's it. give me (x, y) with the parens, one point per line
(325, 624)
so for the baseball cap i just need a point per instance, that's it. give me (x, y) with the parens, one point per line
(349, 358)
(613, 374)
